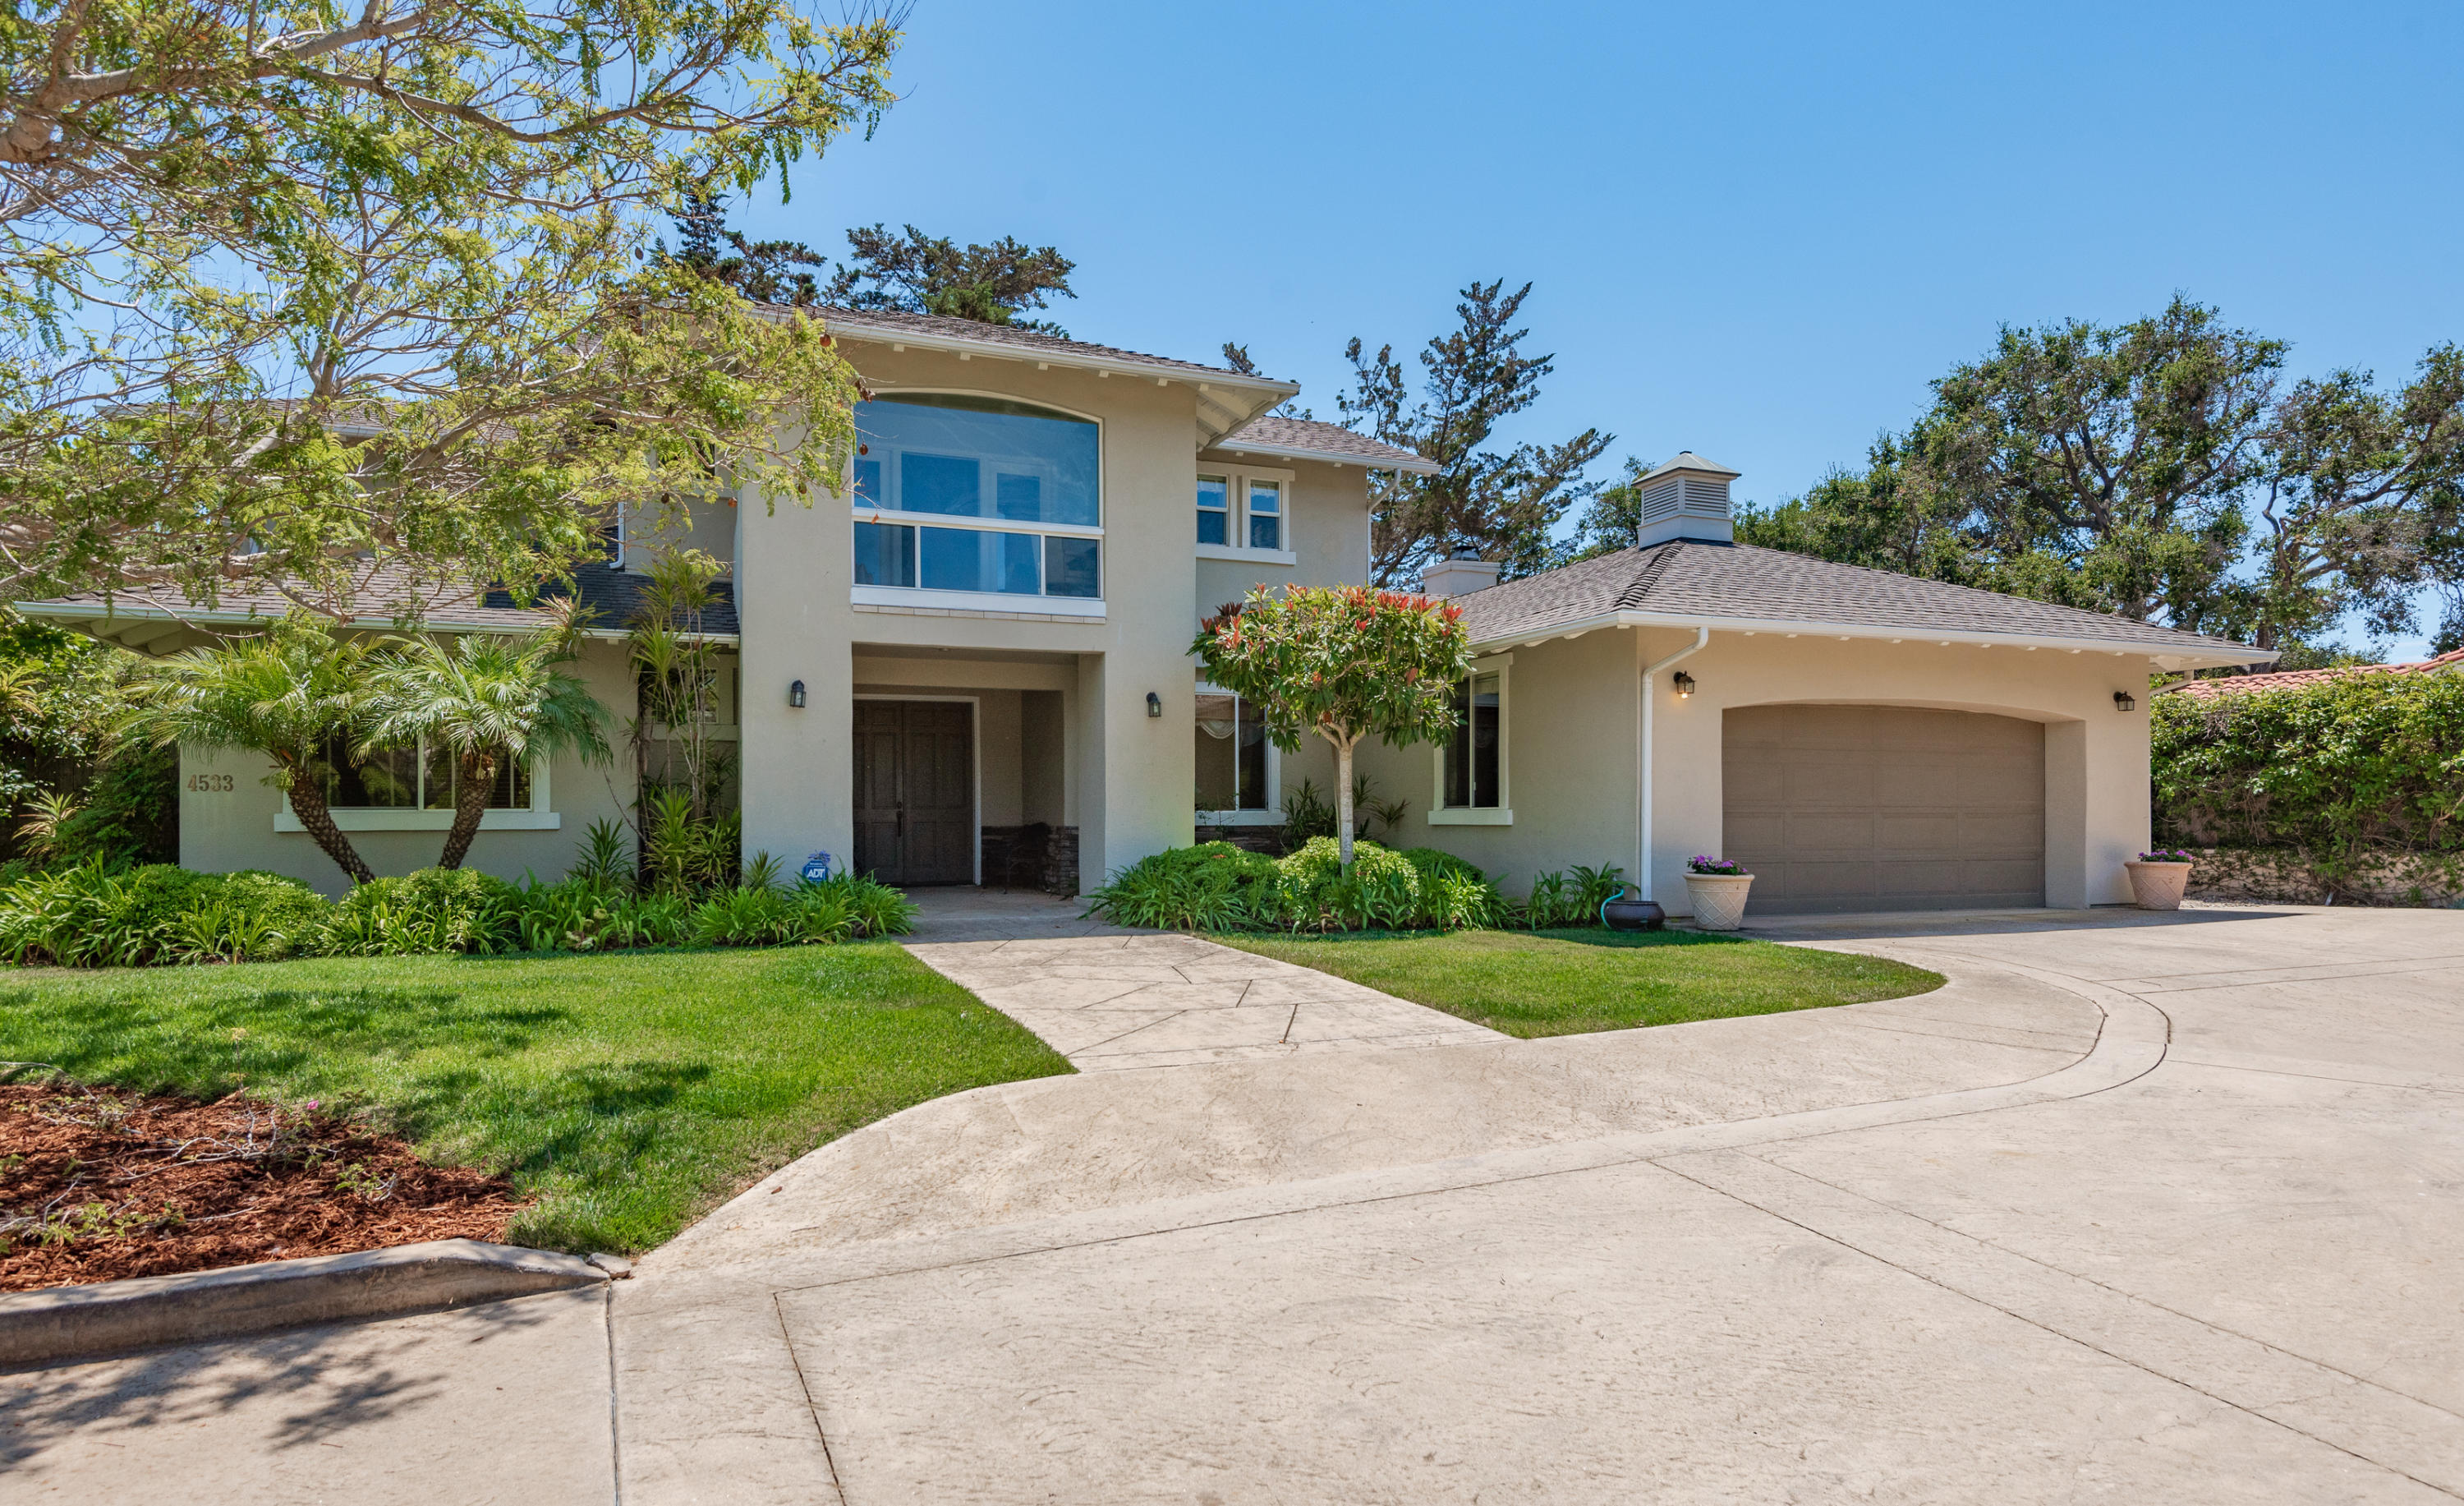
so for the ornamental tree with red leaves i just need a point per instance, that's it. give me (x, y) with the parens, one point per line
(1345, 662)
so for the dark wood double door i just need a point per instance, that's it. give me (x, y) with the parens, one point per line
(915, 791)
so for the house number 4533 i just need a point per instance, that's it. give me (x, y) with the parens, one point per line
(210, 784)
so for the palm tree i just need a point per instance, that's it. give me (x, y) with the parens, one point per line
(289, 693)
(486, 701)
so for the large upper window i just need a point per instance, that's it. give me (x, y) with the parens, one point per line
(994, 476)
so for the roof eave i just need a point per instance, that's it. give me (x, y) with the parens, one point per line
(1415, 464)
(2199, 653)
(82, 618)
(1227, 400)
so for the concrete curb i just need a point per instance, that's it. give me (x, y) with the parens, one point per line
(109, 1316)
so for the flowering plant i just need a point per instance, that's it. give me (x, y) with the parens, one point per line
(2167, 855)
(1724, 867)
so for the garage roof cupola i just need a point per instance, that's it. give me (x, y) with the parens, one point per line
(1687, 497)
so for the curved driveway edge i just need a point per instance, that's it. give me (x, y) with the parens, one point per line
(112, 1316)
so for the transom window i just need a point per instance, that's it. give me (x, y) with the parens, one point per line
(1242, 508)
(1015, 493)
(1234, 764)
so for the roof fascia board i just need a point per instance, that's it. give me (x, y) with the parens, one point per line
(1416, 465)
(2201, 657)
(997, 351)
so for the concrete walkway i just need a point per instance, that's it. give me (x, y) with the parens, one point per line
(1111, 1002)
(2139, 1209)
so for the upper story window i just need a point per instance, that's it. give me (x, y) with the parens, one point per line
(1243, 511)
(1015, 493)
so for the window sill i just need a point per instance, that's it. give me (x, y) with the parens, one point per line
(426, 821)
(1225, 551)
(1240, 818)
(917, 597)
(1471, 816)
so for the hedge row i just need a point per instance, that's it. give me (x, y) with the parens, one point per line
(2333, 769)
(1216, 886)
(162, 915)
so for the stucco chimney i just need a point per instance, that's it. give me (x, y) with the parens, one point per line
(1465, 573)
(1687, 499)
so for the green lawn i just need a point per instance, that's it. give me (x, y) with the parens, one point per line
(631, 1093)
(1565, 982)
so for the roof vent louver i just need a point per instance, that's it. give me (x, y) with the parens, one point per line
(1687, 498)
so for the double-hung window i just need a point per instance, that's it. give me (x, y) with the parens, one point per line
(1242, 513)
(1013, 493)
(1235, 761)
(1472, 760)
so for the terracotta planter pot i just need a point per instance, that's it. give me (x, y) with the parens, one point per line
(1719, 899)
(2158, 886)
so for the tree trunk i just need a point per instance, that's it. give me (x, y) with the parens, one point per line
(317, 819)
(478, 775)
(1343, 799)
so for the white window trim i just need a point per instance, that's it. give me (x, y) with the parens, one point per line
(977, 601)
(1238, 476)
(1274, 813)
(922, 597)
(395, 818)
(1501, 815)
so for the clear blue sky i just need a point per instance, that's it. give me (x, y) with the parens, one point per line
(1757, 232)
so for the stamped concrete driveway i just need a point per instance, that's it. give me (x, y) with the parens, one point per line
(2137, 1208)
(2142, 1209)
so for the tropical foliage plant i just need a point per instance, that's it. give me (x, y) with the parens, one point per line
(292, 694)
(487, 703)
(1341, 662)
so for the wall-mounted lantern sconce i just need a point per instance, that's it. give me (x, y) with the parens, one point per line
(1155, 704)
(796, 695)
(1685, 684)
(2122, 701)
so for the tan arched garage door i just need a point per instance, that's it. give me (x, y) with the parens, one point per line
(1839, 809)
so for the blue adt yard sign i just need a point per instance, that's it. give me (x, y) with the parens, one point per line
(816, 869)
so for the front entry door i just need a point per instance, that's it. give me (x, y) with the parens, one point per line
(915, 791)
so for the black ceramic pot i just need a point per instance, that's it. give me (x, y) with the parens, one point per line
(1625, 913)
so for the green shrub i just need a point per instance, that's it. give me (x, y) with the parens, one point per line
(872, 908)
(251, 916)
(433, 910)
(95, 917)
(1214, 886)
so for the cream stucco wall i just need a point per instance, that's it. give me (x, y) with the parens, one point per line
(1572, 739)
(1127, 774)
(225, 830)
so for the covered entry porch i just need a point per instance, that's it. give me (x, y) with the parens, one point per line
(963, 768)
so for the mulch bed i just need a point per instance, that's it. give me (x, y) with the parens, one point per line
(97, 1185)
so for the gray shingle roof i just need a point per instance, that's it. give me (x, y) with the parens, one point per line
(1707, 581)
(611, 595)
(1279, 435)
(888, 323)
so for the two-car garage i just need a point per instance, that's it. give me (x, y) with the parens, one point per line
(1842, 808)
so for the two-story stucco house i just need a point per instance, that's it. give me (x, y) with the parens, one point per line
(985, 631)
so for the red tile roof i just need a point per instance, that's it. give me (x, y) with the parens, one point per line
(2293, 679)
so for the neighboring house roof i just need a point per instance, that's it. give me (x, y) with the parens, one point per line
(1743, 589)
(1307, 439)
(1226, 399)
(162, 621)
(2294, 679)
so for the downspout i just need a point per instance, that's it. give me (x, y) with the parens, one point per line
(1642, 766)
